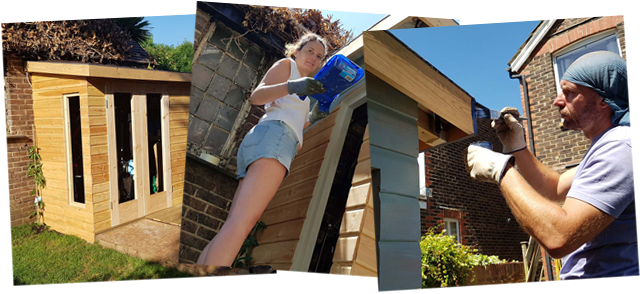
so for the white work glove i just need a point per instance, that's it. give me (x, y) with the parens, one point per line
(509, 130)
(486, 165)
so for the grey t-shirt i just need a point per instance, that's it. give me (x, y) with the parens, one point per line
(604, 179)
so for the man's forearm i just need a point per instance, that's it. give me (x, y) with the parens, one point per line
(544, 180)
(537, 215)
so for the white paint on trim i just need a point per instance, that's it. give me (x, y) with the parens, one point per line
(538, 35)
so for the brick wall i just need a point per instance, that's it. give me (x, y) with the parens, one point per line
(570, 23)
(19, 105)
(486, 222)
(207, 197)
(512, 272)
(555, 146)
(19, 119)
(17, 203)
(548, 134)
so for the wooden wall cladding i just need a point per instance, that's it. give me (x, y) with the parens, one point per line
(356, 251)
(94, 216)
(286, 213)
(49, 125)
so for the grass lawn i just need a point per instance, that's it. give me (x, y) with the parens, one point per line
(50, 257)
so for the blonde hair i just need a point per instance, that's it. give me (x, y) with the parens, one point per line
(307, 37)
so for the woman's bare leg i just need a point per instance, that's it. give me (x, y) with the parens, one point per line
(252, 196)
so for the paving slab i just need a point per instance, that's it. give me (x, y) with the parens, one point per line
(155, 238)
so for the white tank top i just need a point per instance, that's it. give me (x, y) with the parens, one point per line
(289, 108)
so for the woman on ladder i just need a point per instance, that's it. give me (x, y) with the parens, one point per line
(264, 156)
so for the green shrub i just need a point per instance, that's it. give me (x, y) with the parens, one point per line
(177, 58)
(445, 262)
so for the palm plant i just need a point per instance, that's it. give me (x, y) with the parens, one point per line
(137, 27)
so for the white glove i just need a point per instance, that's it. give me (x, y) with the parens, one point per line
(486, 165)
(509, 130)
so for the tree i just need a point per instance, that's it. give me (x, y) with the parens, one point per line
(169, 57)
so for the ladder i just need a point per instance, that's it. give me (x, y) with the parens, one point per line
(537, 261)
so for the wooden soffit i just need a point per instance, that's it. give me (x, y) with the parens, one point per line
(106, 71)
(391, 61)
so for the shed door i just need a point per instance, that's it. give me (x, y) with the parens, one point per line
(137, 120)
(155, 151)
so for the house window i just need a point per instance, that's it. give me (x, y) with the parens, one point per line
(421, 160)
(452, 228)
(73, 135)
(602, 42)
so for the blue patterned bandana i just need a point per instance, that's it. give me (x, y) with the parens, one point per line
(604, 72)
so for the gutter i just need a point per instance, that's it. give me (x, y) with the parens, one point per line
(518, 61)
(522, 80)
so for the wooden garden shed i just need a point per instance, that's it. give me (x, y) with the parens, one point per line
(112, 141)
(332, 214)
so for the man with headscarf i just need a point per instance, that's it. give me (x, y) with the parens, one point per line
(586, 216)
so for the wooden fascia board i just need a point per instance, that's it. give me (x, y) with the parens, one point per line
(58, 68)
(103, 71)
(354, 97)
(398, 66)
(438, 22)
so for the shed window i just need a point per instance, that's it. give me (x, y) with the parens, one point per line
(452, 228)
(155, 143)
(124, 146)
(74, 139)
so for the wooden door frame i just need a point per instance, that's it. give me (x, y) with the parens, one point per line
(139, 91)
(111, 88)
(165, 138)
(352, 99)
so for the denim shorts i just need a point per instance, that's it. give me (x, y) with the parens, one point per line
(269, 139)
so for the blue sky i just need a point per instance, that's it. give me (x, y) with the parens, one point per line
(172, 29)
(474, 56)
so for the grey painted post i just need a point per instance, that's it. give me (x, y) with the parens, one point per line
(392, 119)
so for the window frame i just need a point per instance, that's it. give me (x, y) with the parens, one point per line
(69, 151)
(457, 223)
(579, 44)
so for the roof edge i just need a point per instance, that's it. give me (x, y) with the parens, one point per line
(106, 71)
(529, 45)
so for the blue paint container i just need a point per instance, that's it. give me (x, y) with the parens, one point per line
(338, 74)
(485, 144)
